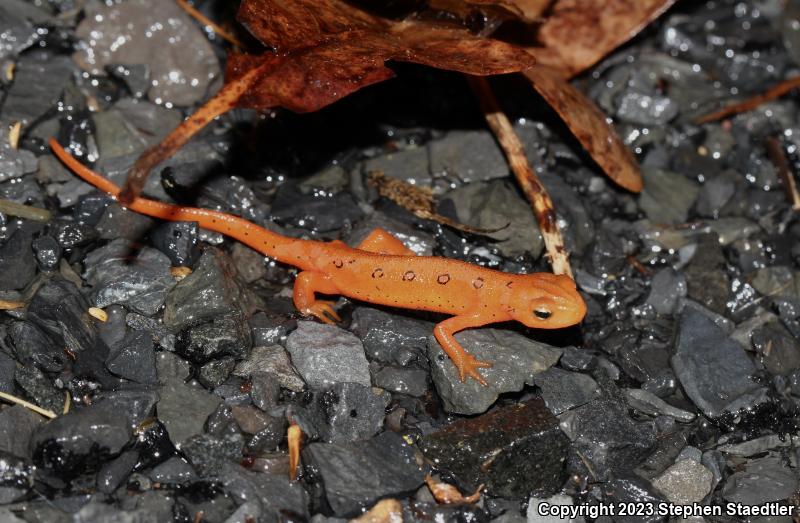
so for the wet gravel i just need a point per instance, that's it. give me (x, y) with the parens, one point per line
(682, 384)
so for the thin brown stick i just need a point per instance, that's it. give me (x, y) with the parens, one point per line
(200, 17)
(778, 158)
(531, 185)
(772, 93)
(8, 305)
(219, 104)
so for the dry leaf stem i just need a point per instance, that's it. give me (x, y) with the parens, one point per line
(770, 94)
(531, 185)
(203, 19)
(778, 158)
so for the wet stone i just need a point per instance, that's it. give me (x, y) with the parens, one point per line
(650, 404)
(184, 409)
(39, 80)
(468, 156)
(269, 329)
(634, 490)
(118, 222)
(17, 30)
(563, 390)
(215, 372)
(391, 338)
(176, 78)
(779, 350)
(160, 334)
(32, 346)
(667, 288)
(137, 403)
(320, 213)
(47, 251)
(136, 77)
(208, 453)
(115, 472)
(7, 366)
(762, 480)
(715, 193)
(264, 497)
(224, 335)
(706, 279)
(326, 354)
(16, 477)
(513, 450)
(410, 165)
(354, 476)
(713, 369)
(15, 162)
(211, 290)
(516, 360)
(667, 196)
(17, 425)
(83, 439)
(645, 109)
(173, 471)
(264, 391)
(17, 262)
(134, 358)
(272, 361)
(178, 240)
(39, 388)
(413, 382)
(350, 412)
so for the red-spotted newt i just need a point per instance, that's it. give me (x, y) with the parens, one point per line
(381, 270)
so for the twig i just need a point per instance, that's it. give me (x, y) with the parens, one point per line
(7, 305)
(200, 17)
(531, 185)
(28, 405)
(778, 157)
(773, 92)
(28, 212)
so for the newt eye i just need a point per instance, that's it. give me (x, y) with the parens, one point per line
(542, 314)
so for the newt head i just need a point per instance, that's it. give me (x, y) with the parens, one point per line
(546, 301)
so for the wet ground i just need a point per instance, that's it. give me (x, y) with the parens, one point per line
(682, 384)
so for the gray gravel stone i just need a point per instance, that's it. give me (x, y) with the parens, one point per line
(39, 80)
(713, 369)
(413, 382)
(173, 471)
(667, 288)
(350, 412)
(392, 338)
(134, 358)
(267, 497)
(468, 156)
(273, 361)
(326, 354)
(410, 165)
(17, 425)
(516, 360)
(667, 197)
(563, 390)
(645, 109)
(176, 77)
(650, 404)
(762, 480)
(685, 482)
(17, 30)
(354, 476)
(184, 410)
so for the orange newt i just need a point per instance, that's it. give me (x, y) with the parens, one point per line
(383, 271)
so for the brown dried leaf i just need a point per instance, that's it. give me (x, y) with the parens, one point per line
(446, 494)
(576, 34)
(589, 126)
(385, 511)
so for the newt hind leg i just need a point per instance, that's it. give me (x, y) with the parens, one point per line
(381, 241)
(466, 363)
(307, 284)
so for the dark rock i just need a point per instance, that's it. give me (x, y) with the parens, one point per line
(134, 358)
(634, 490)
(326, 354)
(468, 156)
(136, 403)
(265, 391)
(576, 359)
(118, 222)
(563, 390)
(413, 382)
(715, 193)
(17, 30)
(47, 251)
(264, 497)
(606, 437)
(391, 338)
(178, 240)
(170, 366)
(215, 372)
(115, 472)
(714, 370)
(250, 264)
(39, 80)
(113, 330)
(17, 262)
(32, 346)
(411, 165)
(646, 109)
(70, 234)
(354, 476)
(14, 163)
(779, 350)
(432, 511)
(662, 385)
(81, 440)
(208, 454)
(7, 367)
(652, 405)
(272, 361)
(350, 412)
(39, 387)
(250, 419)
(173, 471)
(269, 329)
(17, 425)
(16, 477)
(136, 278)
(184, 409)
(224, 335)
(154, 327)
(136, 77)
(320, 213)
(211, 290)
(667, 197)
(516, 360)
(762, 480)
(269, 437)
(706, 278)
(514, 450)
(667, 288)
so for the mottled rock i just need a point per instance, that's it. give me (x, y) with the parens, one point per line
(273, 361)
(326, 354)
(208, 453)
(513, 450)
(349, 412)
(16, 477)
(685, 482)
(391, 338)
(354, 476)
(516, 360)
(224, 335)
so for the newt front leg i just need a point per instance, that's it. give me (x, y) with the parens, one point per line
(466, 363)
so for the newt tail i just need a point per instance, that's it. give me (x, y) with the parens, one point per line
(383, 271)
